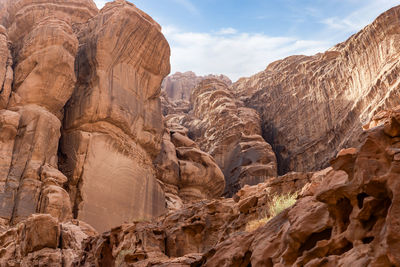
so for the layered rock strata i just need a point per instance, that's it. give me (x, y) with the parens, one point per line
(43, 42)
(108, 66)
(231, 133)
(179, 86)
(332, 94)
(113, 124)
(346, 214)
(185, 170)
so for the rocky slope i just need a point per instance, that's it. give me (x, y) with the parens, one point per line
(332, 94)
(180, 85)
(345, 215)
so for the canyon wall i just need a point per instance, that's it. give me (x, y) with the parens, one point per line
(231, 133)
(41, 41)
(89, 81)
(180, 85)
(113, 126)
(312, 106)
(344, 215)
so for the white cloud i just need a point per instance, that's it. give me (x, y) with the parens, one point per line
(361, 17)
(100, 3)
(227, 31)
(234, 53)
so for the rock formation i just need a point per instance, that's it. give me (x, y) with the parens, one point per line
(54, 52)
(113, 124)
(84, 148)
(188, 173)
(180, 85)
(229, 132)
(346, 214)
(311, 107)
(43, 42)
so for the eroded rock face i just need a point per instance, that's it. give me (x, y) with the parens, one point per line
(344, 215)
(231, 133)
(347, 217)
(185, 170)
(113, 124)
(182, 237)
(30, 178)
(180, 85)
(66, 51)
(6, 71)
(42, 241)
(332, 94)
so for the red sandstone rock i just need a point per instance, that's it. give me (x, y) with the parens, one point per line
(180, 85)
(313, 106)
(231, 133)
(347, 214)
(113, 125)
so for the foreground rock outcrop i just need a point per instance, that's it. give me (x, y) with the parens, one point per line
(311, 107)
(346, 214)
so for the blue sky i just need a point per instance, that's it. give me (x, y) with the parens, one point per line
(241, 37)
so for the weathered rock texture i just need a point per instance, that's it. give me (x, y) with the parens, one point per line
(43, 42)
(311, 107)
(113, 123)
(181, 237)
(185, 170)
(229, 132)
(98, 76)
(42, 241)
(118, 162)
(345, 215)
(349, 217)
(180, 85)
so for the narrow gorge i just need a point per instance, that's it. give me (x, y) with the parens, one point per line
(105, 160)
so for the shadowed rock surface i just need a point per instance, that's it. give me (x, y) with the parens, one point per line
(84, 148)
(113, 124)
(312, 106)
(229, 132)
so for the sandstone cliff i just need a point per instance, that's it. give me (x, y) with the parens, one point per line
(113, 126)
(84, 148)
(345, 215)
(42, 42)
(64, 64)
(231, 133)
(180, 85)
(311, 107)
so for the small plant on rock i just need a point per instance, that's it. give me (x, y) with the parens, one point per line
(277, 205)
